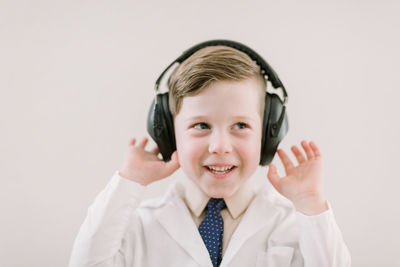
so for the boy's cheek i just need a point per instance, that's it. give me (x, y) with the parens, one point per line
(186, 153)
(251, 147)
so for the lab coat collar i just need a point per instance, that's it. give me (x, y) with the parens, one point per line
(248, 225)
(175, 217)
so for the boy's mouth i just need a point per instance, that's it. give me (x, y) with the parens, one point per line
(220, 169)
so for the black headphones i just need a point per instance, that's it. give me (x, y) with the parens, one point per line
(160, 124)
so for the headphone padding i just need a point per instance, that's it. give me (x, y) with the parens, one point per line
(160, 126)
(270, 138)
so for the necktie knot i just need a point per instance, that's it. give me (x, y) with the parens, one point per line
(216, 204)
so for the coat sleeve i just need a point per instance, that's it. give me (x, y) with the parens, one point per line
(100, 236)
(321, 242)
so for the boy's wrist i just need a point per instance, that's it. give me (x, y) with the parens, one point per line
(128, 176)
(311, 205)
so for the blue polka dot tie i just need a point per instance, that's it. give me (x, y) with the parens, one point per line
(212, 229)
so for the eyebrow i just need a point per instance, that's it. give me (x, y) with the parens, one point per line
(196, 118)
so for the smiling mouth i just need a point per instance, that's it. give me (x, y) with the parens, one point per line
(220, 170)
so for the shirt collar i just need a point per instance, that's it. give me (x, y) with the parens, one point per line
(238, 202)
(197, 200)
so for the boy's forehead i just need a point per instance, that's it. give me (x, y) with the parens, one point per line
(231, 100)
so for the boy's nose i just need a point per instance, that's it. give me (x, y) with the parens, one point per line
(220, 144)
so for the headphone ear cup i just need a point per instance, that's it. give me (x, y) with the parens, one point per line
(275, 127)
(160, 126)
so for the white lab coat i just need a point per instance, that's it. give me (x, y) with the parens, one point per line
(119, 230)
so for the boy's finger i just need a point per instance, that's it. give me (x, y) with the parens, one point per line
(315, 148)
(299, 155)
(132, 141)
(285, 160)
(308, 150)
(143, 142)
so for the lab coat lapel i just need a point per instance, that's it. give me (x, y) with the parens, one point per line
(254, 219)
(174, 216)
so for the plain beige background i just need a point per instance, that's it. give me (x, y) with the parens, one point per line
(77, 77)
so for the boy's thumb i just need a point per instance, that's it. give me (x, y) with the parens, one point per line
(174, 162)
(272, 175)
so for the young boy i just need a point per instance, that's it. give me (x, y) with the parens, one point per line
(213, 217)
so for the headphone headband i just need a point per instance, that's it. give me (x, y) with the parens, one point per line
(265, 67)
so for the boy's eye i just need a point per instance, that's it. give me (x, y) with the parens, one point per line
(241, 125)
(201, 126)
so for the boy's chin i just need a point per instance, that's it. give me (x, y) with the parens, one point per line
(219, 193)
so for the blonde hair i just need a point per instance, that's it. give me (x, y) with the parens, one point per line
(208, 65)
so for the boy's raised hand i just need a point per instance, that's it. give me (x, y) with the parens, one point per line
(145, 167)
(303, 183)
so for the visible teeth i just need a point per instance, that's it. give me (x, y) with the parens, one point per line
(220, 169)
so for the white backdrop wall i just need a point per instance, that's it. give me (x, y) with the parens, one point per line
(76, 81)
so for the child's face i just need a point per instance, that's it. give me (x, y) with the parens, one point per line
(220, 127)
